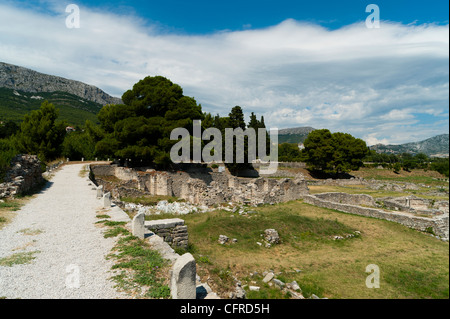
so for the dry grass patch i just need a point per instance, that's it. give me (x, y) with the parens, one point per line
(8, 208)
(30, 231)
(18, 259)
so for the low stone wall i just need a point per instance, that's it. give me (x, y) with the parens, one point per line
(351, 199)
(283, 164)
(416, 205)
(24, 175)
(172, 231)
(439, 224)
(339, 181)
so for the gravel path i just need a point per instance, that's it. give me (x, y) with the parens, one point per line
(59, 226)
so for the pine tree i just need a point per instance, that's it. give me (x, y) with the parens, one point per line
(40, 134)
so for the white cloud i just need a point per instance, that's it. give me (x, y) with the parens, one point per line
(396, 115)
(371, 139)
(353, 79)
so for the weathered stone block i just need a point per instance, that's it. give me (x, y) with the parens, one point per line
(163, 223)
(223, 239)
(271, 236)
(100, 191)
(137, 225)
(183, 278)
(107, 200)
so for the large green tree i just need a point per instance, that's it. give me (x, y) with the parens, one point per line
(289, 152)
(334, 153)
(41, 133)
(139, 130)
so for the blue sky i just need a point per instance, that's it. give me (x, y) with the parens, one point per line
(298, 63)
(207, 16)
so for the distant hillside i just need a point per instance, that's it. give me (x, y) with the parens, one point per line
(14, 104)
(434, 146)
(23, 90)
(294, 135)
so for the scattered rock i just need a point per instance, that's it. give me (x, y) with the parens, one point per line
(294, 285)
(254, 288)
(223, 239)
(271, 236)
(268, 277)
(278, 283)
(239, 292)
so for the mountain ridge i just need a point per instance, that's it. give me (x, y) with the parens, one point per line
(295, 135)
(434, 146)
(30, 81)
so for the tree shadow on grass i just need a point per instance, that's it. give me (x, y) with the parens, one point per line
(318, 174)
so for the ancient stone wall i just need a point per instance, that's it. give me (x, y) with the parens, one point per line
(172, 231)
(439, 224)
(206, 187)
(24, 175)
(344, 198)
(414, 204)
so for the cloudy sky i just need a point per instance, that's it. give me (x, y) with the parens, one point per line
(298, 63)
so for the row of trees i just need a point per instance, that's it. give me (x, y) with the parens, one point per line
(407, 161)
(139, 131)
(339, 152)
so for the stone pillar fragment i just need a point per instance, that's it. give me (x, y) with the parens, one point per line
(100, 191)
(183, 278)
(137, 225)
(107, 200)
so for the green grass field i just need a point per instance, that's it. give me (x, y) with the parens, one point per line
(412, 264)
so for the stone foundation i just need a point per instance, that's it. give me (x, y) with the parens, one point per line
(172, 231)
(438, 224)
(344, 198)
(199, 186)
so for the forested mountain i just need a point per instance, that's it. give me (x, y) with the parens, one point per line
(434, 146)
(75, 110)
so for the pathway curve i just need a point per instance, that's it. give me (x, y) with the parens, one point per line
(59, 226)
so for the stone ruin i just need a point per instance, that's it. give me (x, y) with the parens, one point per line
(416, 205)
(411, 211)
(172, 231)
(199, 186)
(24, 175)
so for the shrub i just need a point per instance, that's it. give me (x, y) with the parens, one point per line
(7, 152)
